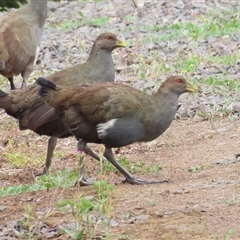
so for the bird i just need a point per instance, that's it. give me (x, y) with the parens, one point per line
(115, 114)
(32, 112)
(20, 37)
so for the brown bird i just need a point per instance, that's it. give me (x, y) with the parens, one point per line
(32, 112)
(115, 114)
(20, 37)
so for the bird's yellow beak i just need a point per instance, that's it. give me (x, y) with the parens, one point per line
(120, 43)
(190, 88)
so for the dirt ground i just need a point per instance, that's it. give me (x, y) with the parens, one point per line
(200, 204)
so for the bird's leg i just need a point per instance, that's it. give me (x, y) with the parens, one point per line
(82, 146)
(26, 73)
(52, 142)
(36, 56)
(24, 83)
(11, 83)
(129, 177)
(82, 181)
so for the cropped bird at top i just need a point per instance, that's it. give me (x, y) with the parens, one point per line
(114, 114)
(20, 37)
(32, 112)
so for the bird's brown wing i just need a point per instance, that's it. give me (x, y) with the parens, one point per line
(41, 116)
(102, 102)
(89, 103)
(28, 107)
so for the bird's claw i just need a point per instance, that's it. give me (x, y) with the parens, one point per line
(83, 182)
(142, 182)
(44, 172)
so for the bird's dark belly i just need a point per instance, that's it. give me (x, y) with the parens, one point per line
(55, 128)
(121, 132)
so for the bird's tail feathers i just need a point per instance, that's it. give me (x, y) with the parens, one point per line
(46, 86)
(52, 94)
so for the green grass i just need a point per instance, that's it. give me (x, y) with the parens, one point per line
(195, 31)
(138, 167)
(231, 85)
(196, 168)
(80, 208)
(21, 157)
(83, 210)
(226, 60)
(15, 190)
(228, 234)
(100, 21)
(3, 80)
(188, 63)
(62, 179)
(232, 201)
(211, 24)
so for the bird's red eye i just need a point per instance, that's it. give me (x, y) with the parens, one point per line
(179, 81)
(109, 38)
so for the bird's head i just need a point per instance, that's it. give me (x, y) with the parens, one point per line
(108, 41)
(177, 85)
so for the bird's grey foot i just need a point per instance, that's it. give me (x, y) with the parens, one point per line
(142, 182)
(84, 182)
(44, 172)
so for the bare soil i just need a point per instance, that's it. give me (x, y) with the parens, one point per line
(192, 205)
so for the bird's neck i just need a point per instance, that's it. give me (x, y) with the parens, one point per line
(100, 55)
(39, 8)
(38, 4)
(168, 101)
(163, 93)
(102, 60)
(162, 108)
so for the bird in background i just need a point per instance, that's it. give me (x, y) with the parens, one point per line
(114, 115)
(34, 114)
(20, 37)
